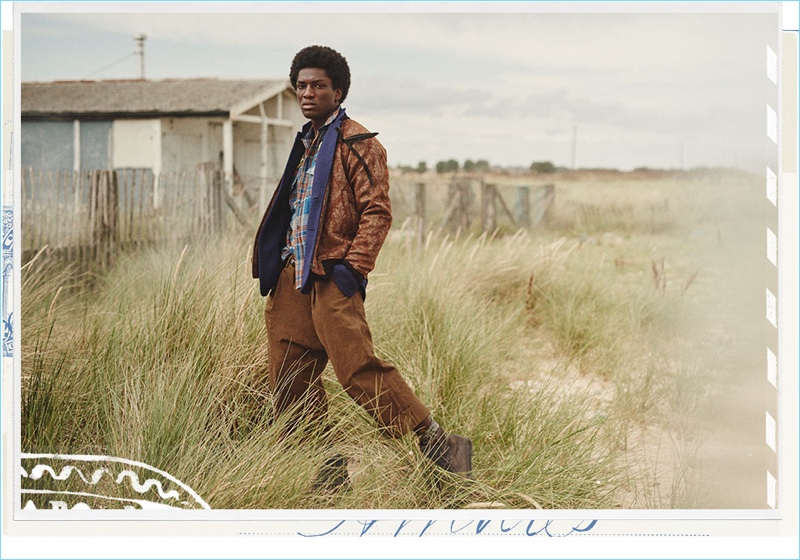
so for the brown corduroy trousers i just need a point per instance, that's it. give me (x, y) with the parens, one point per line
(304, 331)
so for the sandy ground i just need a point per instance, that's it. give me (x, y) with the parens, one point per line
(714, 456)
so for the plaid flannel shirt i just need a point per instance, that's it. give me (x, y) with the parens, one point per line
(300, 199)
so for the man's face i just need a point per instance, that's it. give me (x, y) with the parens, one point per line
(316, 95)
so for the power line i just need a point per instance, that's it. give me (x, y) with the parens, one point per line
(107, 66)
(139, 52)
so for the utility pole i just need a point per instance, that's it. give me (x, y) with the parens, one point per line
(681, 155)
(140, 53)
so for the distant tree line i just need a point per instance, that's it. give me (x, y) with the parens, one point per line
(543, 167)
(470, 166)
(450, 166)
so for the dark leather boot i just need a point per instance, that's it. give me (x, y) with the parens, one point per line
(333, 476)
(451, 452)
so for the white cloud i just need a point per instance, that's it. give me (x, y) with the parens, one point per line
(459, 83)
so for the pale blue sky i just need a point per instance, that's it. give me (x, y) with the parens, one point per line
(507, 87)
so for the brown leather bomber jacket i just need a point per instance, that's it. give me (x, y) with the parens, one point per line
(356, 211)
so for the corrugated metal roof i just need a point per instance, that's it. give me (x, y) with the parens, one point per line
(129, 97)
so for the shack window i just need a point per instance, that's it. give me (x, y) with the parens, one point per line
(47, 145)
(95, 145)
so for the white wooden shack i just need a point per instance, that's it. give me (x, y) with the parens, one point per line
(242, 127)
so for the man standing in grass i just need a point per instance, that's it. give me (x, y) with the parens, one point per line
(318, 241)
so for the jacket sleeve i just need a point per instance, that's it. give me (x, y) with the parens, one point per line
(369, 178)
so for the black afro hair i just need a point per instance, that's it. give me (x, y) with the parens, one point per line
(334, 64)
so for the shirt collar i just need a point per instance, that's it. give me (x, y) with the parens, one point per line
(332, 117)
(310, 134)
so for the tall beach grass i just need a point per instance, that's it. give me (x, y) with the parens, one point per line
(165, 362)
(544, 348)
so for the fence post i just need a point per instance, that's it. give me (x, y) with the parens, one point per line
(465, 204)
(419, 214)
(213, 182)
(548, 200)
(460, 194)
(524, 206)
(215, 200)
(550, 193)
(489, 213)
(545, 196)
(106, 216)
(202, 194)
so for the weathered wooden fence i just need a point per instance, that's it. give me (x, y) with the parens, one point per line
(529, 210)
(89, 216)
